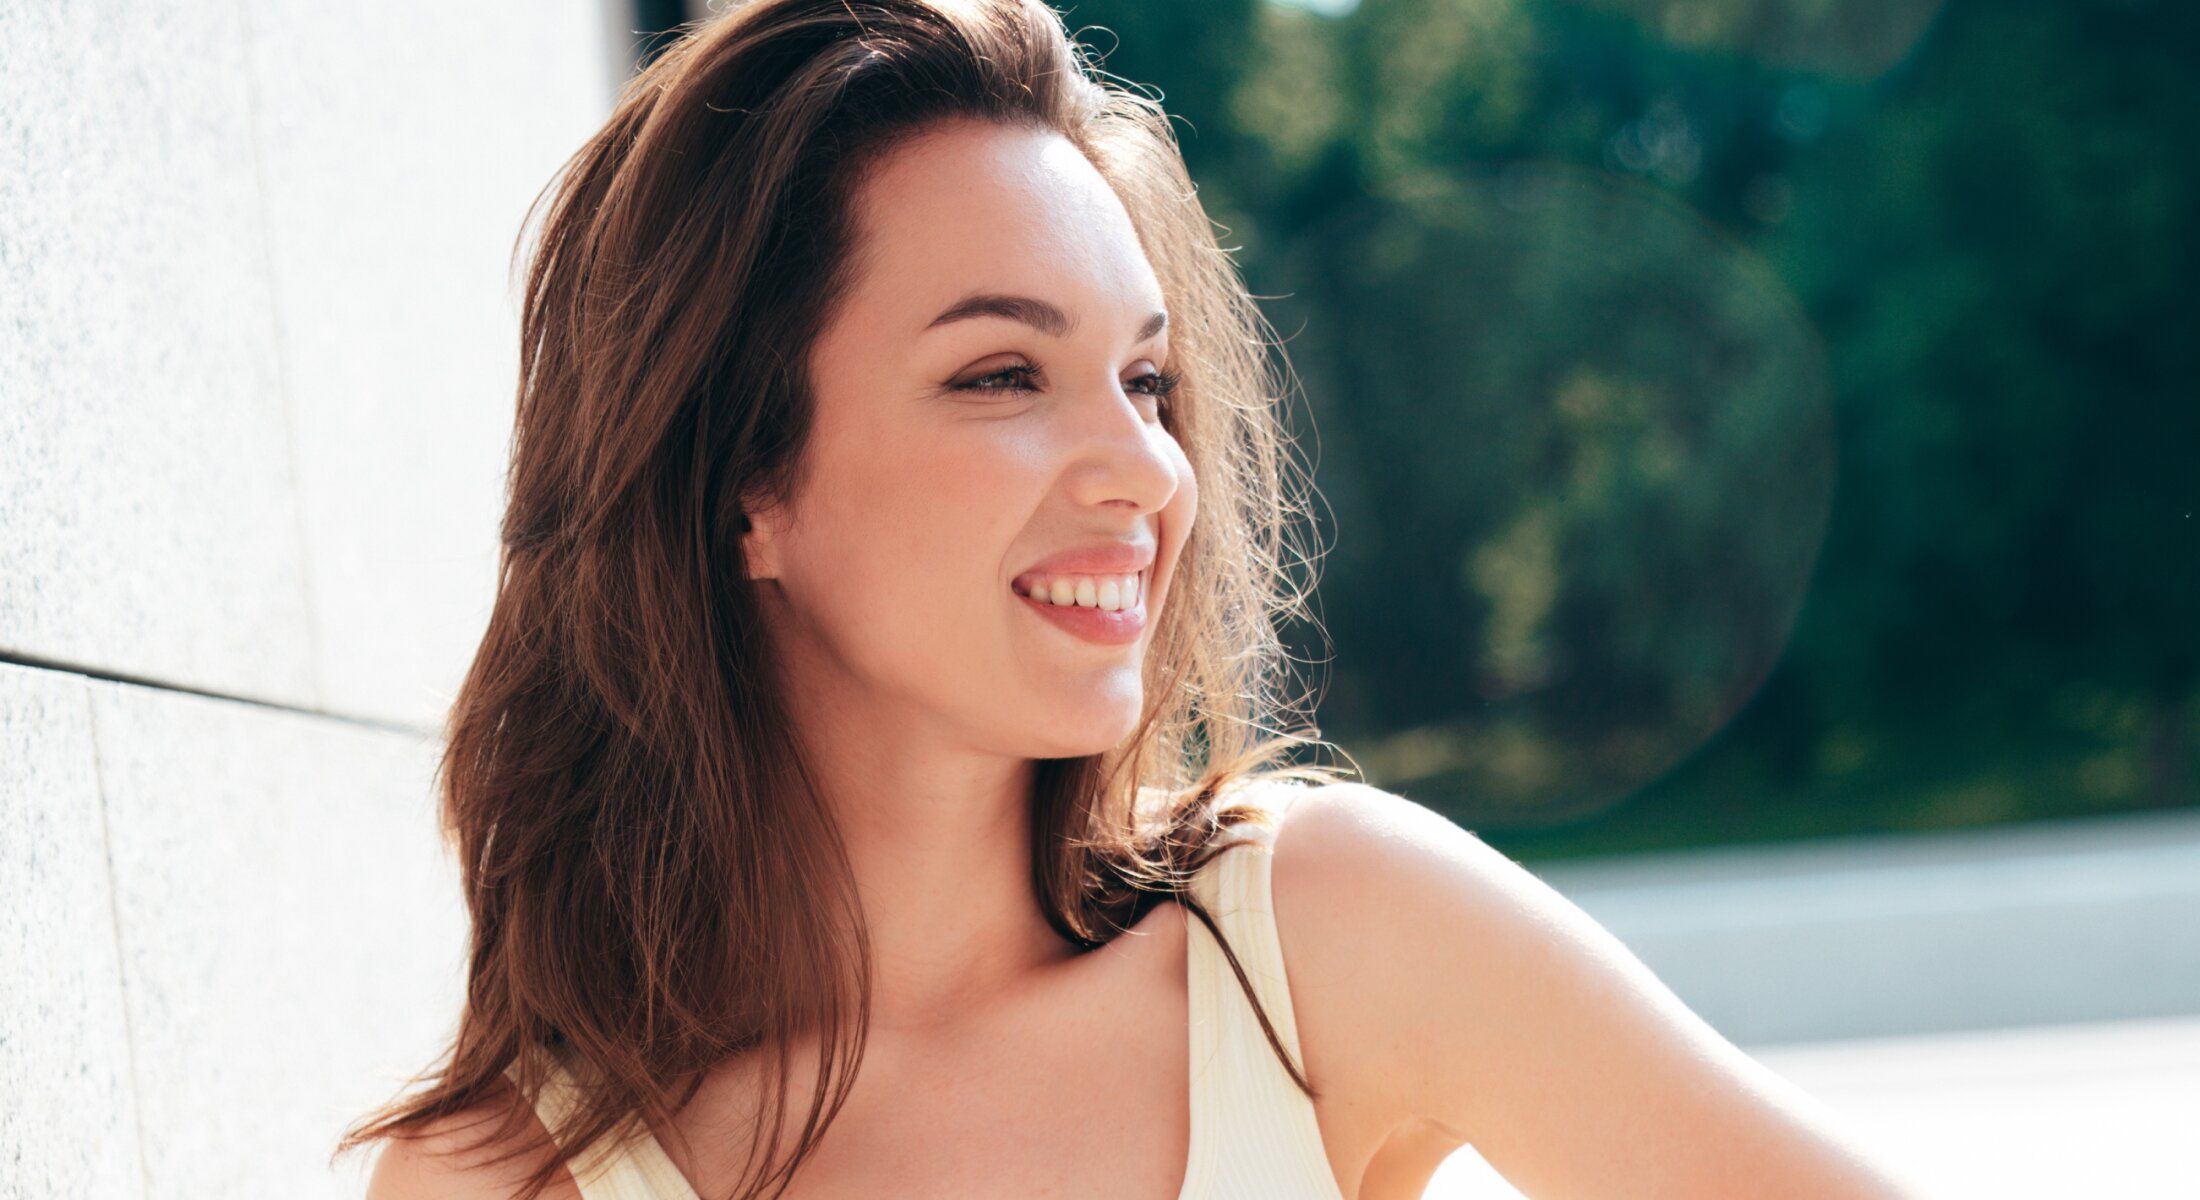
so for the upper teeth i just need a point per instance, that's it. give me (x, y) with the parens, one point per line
(1110, 592)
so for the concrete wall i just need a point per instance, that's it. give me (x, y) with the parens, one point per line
(257, 353)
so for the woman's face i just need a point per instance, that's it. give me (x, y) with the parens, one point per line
(961, 443)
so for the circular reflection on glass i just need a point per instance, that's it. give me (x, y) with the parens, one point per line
(1587, 462)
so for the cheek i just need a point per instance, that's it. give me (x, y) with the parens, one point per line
(905, 543)
(957, 501)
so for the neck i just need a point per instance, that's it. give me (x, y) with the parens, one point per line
(938, 836)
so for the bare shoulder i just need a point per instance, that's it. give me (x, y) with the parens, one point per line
(1370, 868)
(1351, 877)
(1340, 831)
(1459, 959)
(1370, 853)
(444, 1162)
(1455, 989)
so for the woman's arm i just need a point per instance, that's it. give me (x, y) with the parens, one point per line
(1483, 1001)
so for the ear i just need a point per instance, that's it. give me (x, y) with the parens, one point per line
(760, 531)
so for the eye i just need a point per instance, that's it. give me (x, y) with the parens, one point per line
(1159, 383)
(1019, 375)
(1018, 378)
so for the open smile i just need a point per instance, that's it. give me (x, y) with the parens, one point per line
(1090, 622)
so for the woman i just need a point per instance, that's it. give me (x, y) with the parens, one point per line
(899, 515)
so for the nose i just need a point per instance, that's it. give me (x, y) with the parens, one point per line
(1121, 454)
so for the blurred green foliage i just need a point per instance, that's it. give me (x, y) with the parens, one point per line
(1738, 419)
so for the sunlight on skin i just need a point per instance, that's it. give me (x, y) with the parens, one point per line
(924, 685)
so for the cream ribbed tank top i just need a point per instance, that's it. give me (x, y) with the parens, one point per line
(1253, 1132)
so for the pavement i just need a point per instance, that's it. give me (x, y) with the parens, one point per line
(2106, 1110)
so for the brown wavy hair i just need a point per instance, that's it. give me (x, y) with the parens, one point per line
(650, 874)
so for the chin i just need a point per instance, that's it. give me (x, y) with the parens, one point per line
(1090, 733)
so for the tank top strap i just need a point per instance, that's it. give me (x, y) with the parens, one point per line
(638, 1169)
(1252, 1128)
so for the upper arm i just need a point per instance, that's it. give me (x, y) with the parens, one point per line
(438, 1164)
(1485, 1002)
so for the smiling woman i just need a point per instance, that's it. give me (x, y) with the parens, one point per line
(899, 522)
(884, 660)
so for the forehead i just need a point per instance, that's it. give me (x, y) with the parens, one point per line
(972, 205)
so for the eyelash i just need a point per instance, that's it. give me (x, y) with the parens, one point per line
(1165, 382)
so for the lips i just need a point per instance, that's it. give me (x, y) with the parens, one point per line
(1097, 625)
(1096, 558)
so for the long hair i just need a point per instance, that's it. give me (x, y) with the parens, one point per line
(653, 881)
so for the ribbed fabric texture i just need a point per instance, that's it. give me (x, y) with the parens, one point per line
(1254, 1135)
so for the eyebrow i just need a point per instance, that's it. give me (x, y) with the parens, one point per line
(1038, 314)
